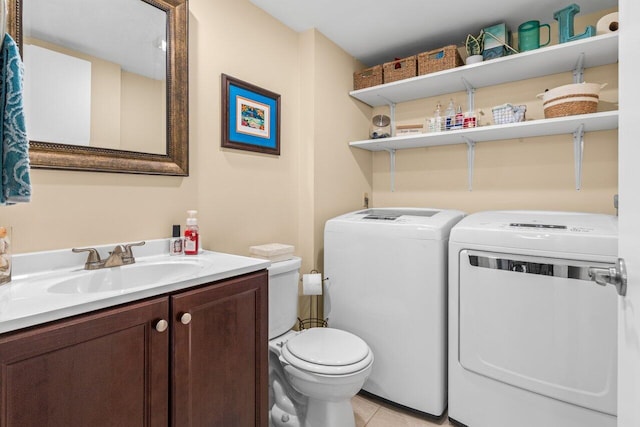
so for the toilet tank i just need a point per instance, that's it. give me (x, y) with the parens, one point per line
(283, 295)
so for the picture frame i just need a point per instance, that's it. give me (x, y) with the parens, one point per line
(250, 117)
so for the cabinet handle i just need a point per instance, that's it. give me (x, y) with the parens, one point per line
(185, 319)
(161, 325)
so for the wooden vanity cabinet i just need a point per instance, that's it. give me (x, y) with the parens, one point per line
(105, 368)
(220, 370)
(120, 367)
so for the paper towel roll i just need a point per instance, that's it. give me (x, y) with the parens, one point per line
(607, 24)
(312, 284)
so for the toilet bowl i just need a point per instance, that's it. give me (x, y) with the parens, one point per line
(314, 373)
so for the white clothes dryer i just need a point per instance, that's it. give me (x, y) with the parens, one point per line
(532, 340)
(386, 270)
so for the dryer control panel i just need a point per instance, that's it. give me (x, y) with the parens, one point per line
(537, 226)
(562, 232)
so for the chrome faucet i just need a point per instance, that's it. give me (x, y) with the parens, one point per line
(121, 255)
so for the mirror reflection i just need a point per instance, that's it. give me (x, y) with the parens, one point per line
(95, 73)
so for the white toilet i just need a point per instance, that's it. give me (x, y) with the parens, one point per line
(313, 374)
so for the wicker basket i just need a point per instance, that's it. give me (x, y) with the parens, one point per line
(508, 113)
(438, 60)
(399, 69)
(572, 99)
(571, 108)
(367, 77)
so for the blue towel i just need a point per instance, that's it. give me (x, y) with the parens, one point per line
(14, 147)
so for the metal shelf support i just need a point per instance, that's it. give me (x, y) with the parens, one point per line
(392, 114)
(578, 72)
(392, 151)
(470, 95)
(578, 149)
(471, 153)
(392, 167)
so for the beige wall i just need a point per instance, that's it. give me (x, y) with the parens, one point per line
(333, 176)
(143, 108)
(106, 100)
(125, 107)
(530, 173)
(341, 175)
(244, 198)
(73, 209)
(247, 198)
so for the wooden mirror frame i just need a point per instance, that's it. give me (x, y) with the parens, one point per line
(48, 155)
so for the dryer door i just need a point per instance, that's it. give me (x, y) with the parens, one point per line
(539, 324)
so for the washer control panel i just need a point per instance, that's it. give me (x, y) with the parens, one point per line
(544, 226)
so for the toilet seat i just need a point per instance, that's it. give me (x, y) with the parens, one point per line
(327, 351)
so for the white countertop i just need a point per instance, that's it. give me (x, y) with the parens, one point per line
(30, 299)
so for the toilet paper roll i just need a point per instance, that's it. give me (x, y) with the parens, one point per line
(607, 24)
(312, 284)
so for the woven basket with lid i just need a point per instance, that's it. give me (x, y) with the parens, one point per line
(572, 99)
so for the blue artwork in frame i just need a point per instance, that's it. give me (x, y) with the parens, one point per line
(250, 117)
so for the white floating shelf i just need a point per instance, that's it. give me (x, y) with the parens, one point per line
(576, 125)
(528, 129)
(598, 50)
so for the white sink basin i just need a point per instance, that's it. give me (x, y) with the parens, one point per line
(127, 277)
(53, 285)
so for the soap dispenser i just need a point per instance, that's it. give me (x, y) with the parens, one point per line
(191, 234)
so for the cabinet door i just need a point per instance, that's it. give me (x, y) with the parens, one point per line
(220, 375)
(109, 368)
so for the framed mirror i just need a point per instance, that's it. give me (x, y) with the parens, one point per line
(105, 84)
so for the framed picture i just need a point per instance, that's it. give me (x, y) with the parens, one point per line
(250, 117)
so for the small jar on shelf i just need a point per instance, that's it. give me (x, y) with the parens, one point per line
(470, 120)
(380, 127)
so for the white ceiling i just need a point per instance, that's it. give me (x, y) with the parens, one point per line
(373, 31)
(378, 31)
(126, 32)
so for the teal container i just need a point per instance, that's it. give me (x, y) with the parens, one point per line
(529, 35)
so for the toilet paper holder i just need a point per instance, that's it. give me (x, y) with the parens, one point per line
(313, 283)
(315, 320)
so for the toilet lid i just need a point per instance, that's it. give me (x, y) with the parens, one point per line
(327, 351)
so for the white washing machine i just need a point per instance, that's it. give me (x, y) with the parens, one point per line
(387, 273)
(532, 340)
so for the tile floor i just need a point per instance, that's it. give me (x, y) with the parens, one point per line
(372, 413)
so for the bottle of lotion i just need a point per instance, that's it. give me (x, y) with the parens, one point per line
(176, 245)
(191, 234)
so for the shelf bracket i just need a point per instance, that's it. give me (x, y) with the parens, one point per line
(578, 149)
(392, 167)
(470, 94)
(392, 114)
(471, 152)
(578, 72)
